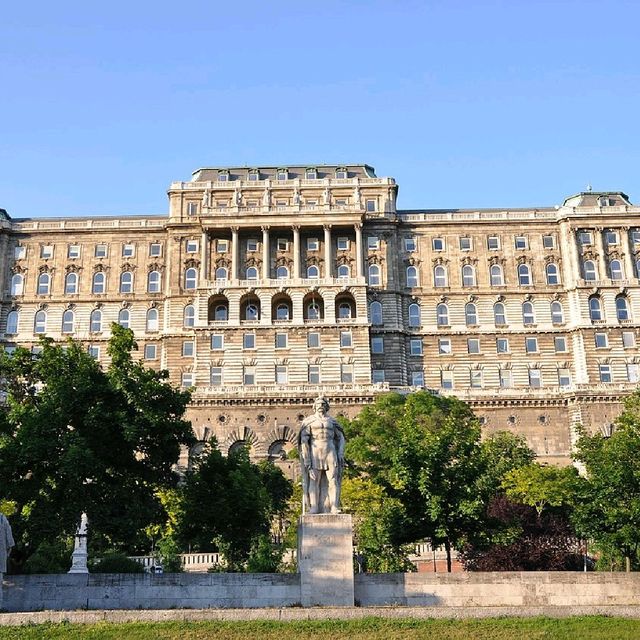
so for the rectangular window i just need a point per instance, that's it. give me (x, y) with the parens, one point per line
(377, 344)
(535, 380)
(564, 377)
(548, 242)
(444, 346)
(628, 339)
(506, 378)
(560, 344)
(217, 342)
(377, 376)
(282, 203)
(187, 380)
(101, 251)
(410, 244)
(128, 250)
(283, 244)
(635, 236)
(187, 349)
(446, 379)
(521, 242)
(313, 244)
(223, 177)
(346, 374)
(313, 340)
(19, 252)
(253, 177)
(313, 374)
(416, 346)
(282, 376)
(437, 244)
(493, 243)
(94, 351)
(310, 174)
(473, 345)
(605, 372)
(633, 372)
(221, 204)
(417, 379)
(73, 251)
(252, 245)
(192, 246)
(249, 375)
(222, 246)
(343, 244)
(585, 238)
(602, 341)
(502, 345)
(372, 243)
(465, 243)
(345, 340)
(150, 351)
(371, 205)
(611, 237)
(192, 208)
(475, 379)
(341, 202)
(215, 376)
(281, 340)
(155, 250)
(46, 251)
(249, 341)
(531, 345)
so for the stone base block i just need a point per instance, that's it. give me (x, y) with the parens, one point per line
(325, 560)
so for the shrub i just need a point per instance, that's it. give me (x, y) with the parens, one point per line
(115, 562)
(50, 557)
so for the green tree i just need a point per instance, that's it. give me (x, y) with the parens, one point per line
(75, 438)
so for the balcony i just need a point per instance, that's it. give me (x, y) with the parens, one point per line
(286, 390)
(284, 282)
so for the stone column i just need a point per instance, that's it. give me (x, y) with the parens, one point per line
(602, 262)
(266, 257)
(328, 271)
(235, 252)
(359, 255)
(204, 257)
(296, 251)
(627, 247)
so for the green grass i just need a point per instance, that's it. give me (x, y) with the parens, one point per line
(584, 628)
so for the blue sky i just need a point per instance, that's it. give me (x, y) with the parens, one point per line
(466, 104)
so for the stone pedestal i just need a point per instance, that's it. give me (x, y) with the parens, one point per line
(79, 556)
(325, 560)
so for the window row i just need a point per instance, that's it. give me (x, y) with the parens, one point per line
(528, 314)
(128, 250)
(493, 243)
(615, 270)
(596, 312)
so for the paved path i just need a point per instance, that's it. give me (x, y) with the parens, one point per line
(298, 613)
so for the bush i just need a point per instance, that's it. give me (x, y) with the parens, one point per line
(115, 562)
(50, 557)
(265, 557)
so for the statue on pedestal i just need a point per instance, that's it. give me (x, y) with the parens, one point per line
(321, 444)
(79, 556)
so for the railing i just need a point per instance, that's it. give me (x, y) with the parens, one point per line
(90, 223)
(284, 282)
(232, 185)
(286, 389)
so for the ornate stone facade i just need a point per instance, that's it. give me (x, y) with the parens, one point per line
(264, 288)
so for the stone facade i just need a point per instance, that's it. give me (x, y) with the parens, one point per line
(263, 288)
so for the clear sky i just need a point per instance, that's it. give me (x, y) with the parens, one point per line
(466, 103)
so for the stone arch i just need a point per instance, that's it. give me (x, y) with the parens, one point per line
(243, 435)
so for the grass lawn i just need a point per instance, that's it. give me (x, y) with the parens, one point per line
(583, 628)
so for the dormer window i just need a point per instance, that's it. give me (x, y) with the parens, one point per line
(604, 201)
(311, 174)
(254, 175)
(282, 174)
(341, 173)
(223, 176)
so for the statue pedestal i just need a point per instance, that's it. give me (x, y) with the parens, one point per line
(79, 556)
(325, 560)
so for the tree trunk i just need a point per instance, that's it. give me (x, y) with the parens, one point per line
(627, 564)
(447, 546)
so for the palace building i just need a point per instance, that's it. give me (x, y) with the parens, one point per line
(265, 287)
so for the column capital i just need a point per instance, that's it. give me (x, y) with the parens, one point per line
(265, 228)
(327, 227)
(235, 229)
(295, 227)
(358, 225)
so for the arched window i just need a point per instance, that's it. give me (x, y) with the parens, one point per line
(412, 276)
(615, 270)
(414, 315)
(68, 321)
(71, 283)
(126, 282)
(252, 312)
(374, 274)
(344, 310)
(282, 311)
(189, 316)
(95, 321)
(499, 315)
(152, 320)
(124, 318)
(470, 313)
(440, 276)
(528, 313)
(282, 273)
(252, 273)
(313, 311)
(17, 284)
(344, 271)
(44, 284)
(589, 270)
(313, 272)
(524, 275)
(190, 278)
(375, 312)
(40, 322)
(468, 276)
(622, 308)
(12, 323)
(595, 309)
(552, 274)
(557, 313)
(98, 282)
(442, 315)
(221, 273)
(153, 282)
(221, 313)
(496, 275)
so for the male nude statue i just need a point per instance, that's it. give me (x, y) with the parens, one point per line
(321, 445)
